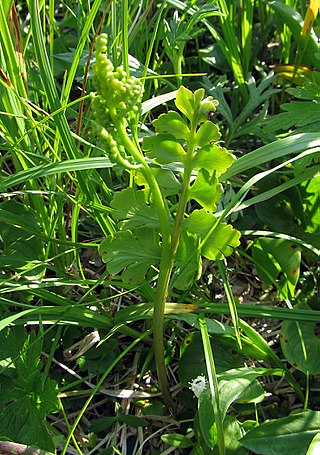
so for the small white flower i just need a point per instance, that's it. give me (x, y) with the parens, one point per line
(198, 385)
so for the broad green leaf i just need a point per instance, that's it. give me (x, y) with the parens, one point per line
(133, 208)
(254, 393)
(103, 423)
(172, 123)
(132, 253)
(188, 267)
(278, 257)
(233, 431)
(132, 420)
(223, 238)
(163, 148)
(207, 133)
(19, 233)
(206, 190)
(286, 435)
(168, 182)
(310, 191)
(192, 361)
(231, 388)
(213, 158)
(177, 440)
(185, 102)
(300, 344)
(314, 447)
(207, 422)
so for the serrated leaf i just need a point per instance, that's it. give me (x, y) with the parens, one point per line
(188, 266)
(172, 123)
(301, 114)
(213, 158)
(301, 345)
(286, 435)
(207, 133)
(132, 253)
(27, 397)
(206, 190)
(206, 10)
(132, 206)
(222, 240)
(163, 148)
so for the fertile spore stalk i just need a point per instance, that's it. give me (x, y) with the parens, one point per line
(116, 102)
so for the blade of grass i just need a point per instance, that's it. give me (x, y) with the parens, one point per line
(213, 383)
(97, 387)
(230, 299)
(61, 122)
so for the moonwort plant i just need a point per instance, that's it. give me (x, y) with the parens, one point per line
(167, 221)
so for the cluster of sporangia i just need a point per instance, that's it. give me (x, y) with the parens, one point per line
(117, 95)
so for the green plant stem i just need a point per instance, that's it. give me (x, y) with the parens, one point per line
(166, 266)
(167, 258)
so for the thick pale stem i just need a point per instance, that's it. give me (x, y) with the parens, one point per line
(166, 262)
(170, 242)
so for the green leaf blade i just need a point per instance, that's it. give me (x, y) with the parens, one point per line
(287, 435)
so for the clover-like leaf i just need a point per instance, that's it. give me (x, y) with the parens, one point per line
(132, 206)
(172, 123)
(222, 240)
(132, 253)
(207, 133)
(206, 190)
(188, 266)
(212, 157)
(163, 148)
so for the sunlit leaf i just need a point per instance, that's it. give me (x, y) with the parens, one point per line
(207, 422)
(213, 158)
(286, 435)
(163, 148)
(207, 133)
(223, 239)
(185, 102)
(177, 440)
(172, 123)
(206, 190)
